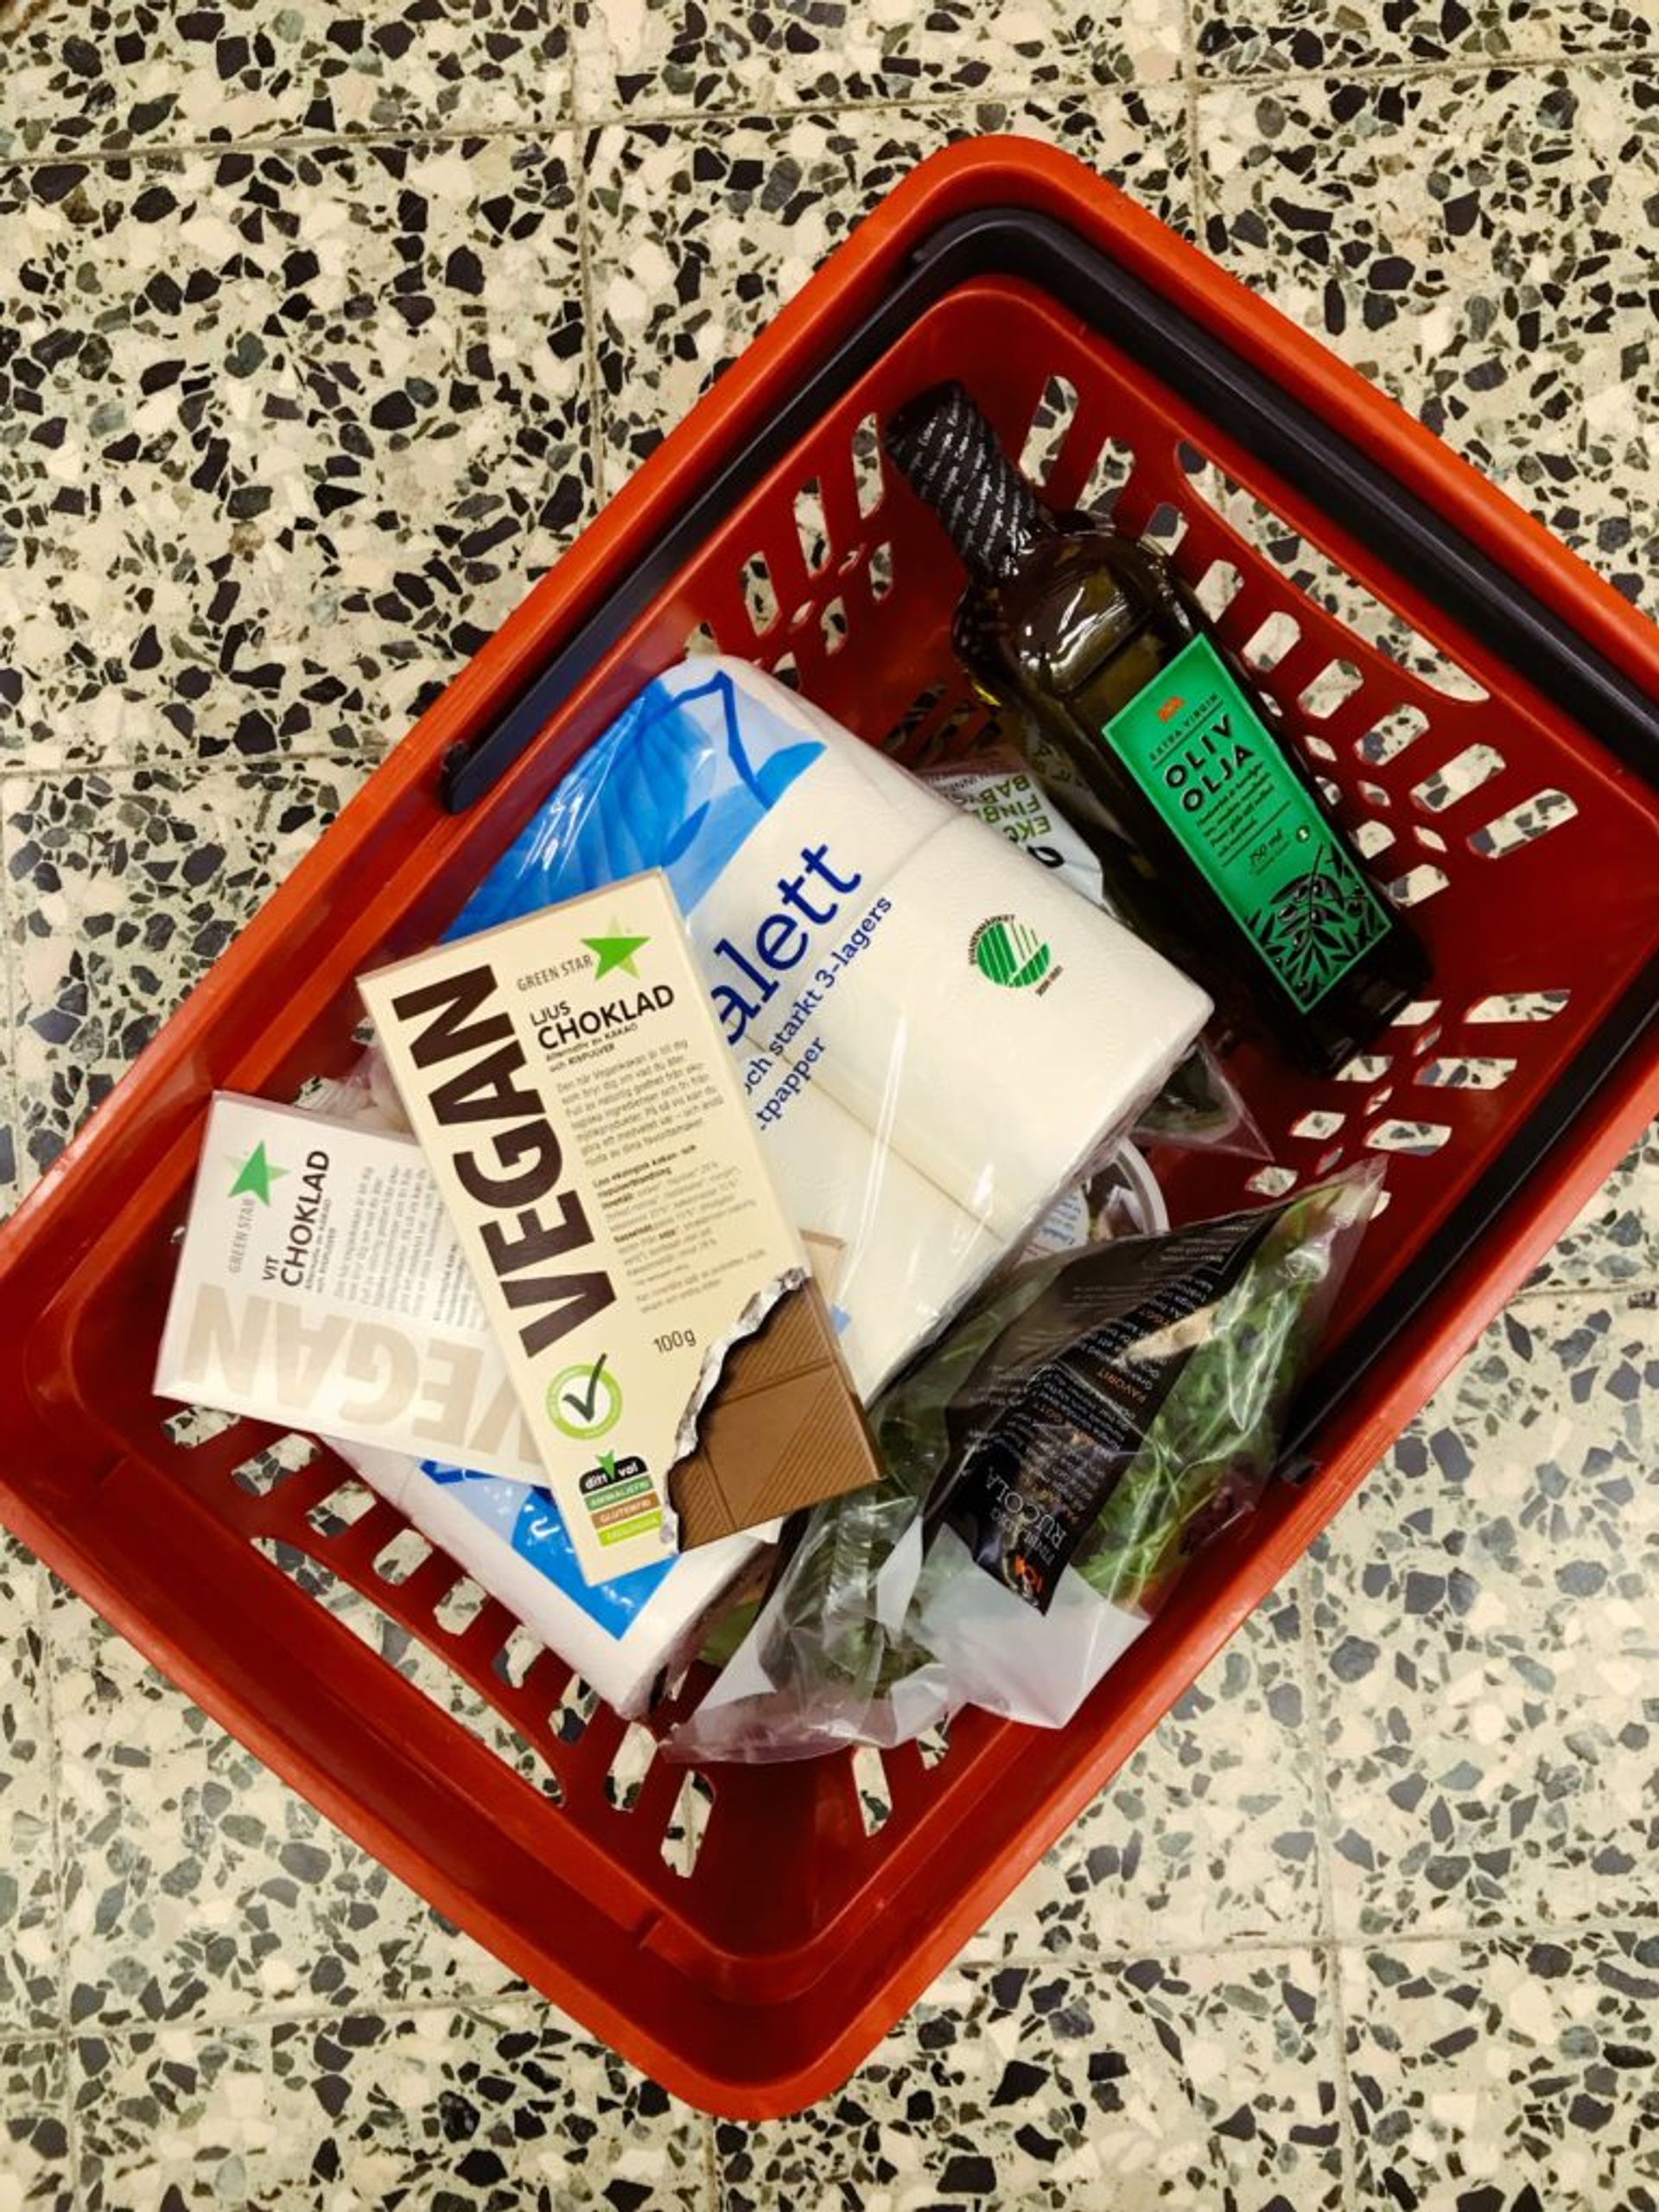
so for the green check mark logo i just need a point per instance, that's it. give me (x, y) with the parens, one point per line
(585, 1401)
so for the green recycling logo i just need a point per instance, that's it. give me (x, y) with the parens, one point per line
(1010, 952)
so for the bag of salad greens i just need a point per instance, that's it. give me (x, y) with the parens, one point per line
(1049, 1467)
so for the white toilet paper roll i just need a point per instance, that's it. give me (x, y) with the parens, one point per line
(894, 1256)
(624, 1637)
(809, 867)
(994, 1025)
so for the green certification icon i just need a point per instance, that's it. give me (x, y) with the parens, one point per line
(585, 1401)
(1010, 952)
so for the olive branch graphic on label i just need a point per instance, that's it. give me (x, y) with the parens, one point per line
(1313, 928)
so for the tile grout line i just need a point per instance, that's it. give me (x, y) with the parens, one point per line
(1196, 187)
(1608, 61)
(293, 141)
(183, 765)
(583, 132)
(1389, 73)
(470, 2003)
(595, 428)
(759, 110)
(568, 17)
(1609, 1294)
(59, 1870)
(414, 134)
(517, 2003)
(712, 2168)
(1281, 1945)
(1533, 1932)
(10, 918)
(43, 1574)
(1330, 1949)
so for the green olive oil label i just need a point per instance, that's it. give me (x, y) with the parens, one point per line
(1218, 777)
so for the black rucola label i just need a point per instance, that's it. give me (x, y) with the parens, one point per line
(1053, 1413)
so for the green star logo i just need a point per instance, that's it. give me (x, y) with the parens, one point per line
(615, 950)
(254, 1175)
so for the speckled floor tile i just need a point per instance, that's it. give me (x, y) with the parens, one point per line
(700, 234)
(1315, 34)
(198, 1887)
(284, 432)
(1507, 2077)
(125, 889)
(284, 436)
(497, 2110)
(1487, 1613)
(29, 1932)
(35, 2164)
(1479, 244)
(1207, 1835)
(138, 72)
(652, 57)
(1204, 2081)
(1614, 1243)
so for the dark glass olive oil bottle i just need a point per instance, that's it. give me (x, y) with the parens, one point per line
(1215, 837)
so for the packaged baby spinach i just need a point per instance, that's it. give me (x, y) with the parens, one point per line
(1049, 1466)
(1121, 1393)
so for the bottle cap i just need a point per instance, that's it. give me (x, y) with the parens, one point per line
(952, 458)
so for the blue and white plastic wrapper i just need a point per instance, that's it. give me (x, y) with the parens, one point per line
(629, 1639)
(923, 1100)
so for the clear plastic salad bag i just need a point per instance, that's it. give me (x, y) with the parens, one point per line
(1049, 1466)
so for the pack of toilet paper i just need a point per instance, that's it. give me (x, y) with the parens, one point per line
(934, 1037)
(1200, 1104)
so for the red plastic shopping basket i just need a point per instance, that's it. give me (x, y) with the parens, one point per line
(1481, 705)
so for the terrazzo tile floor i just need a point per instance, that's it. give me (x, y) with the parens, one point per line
(320, 334)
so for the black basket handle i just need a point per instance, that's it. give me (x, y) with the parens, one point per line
(1259, 415)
